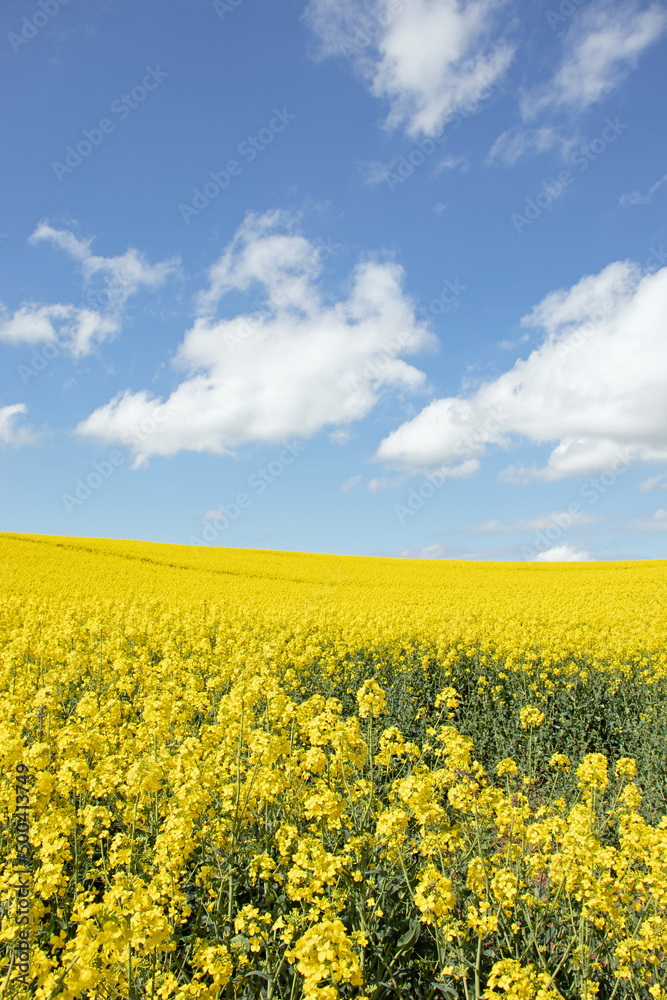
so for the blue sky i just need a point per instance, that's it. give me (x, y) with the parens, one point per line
(372, 277)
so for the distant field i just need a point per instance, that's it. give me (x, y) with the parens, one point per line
(235, 773)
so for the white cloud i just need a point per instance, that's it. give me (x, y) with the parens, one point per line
(289, 368)
(122, 276)
(512, 144)
(556, 519)
(10, 433)
(340, 436)
(215, 515)
(439, 207)
(71, 329)
(563, 553)
(421, 552)
(350, 484)
(595, 387)
(635, 198)
(511, 345)
(451, 162)
(380, 484)
(373, 171)
(429, 58)
(602, 46)
(657, 522)
(648, 484)
(442, 551)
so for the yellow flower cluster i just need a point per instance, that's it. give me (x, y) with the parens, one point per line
(260, 775)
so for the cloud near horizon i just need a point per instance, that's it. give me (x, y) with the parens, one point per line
(563, 553)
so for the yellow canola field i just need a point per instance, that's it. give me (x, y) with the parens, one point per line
(229, 773)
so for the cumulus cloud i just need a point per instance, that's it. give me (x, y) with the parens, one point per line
(595, 388)
(121, 276)
(76, 330)
(429, 59)
(602, 45)
(11, 433)
(563, 553)
(291, 367)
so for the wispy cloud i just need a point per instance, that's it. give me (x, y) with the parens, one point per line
(373, 171)
(648, 484)
(451, 162)
(350, 484)
(511, 345)
(12, 433)
(122, 276)
(341, 436)
(379, 484)
(600, 48)
(540, 522)
(517, 141)
(656, 522)
(635, 198)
